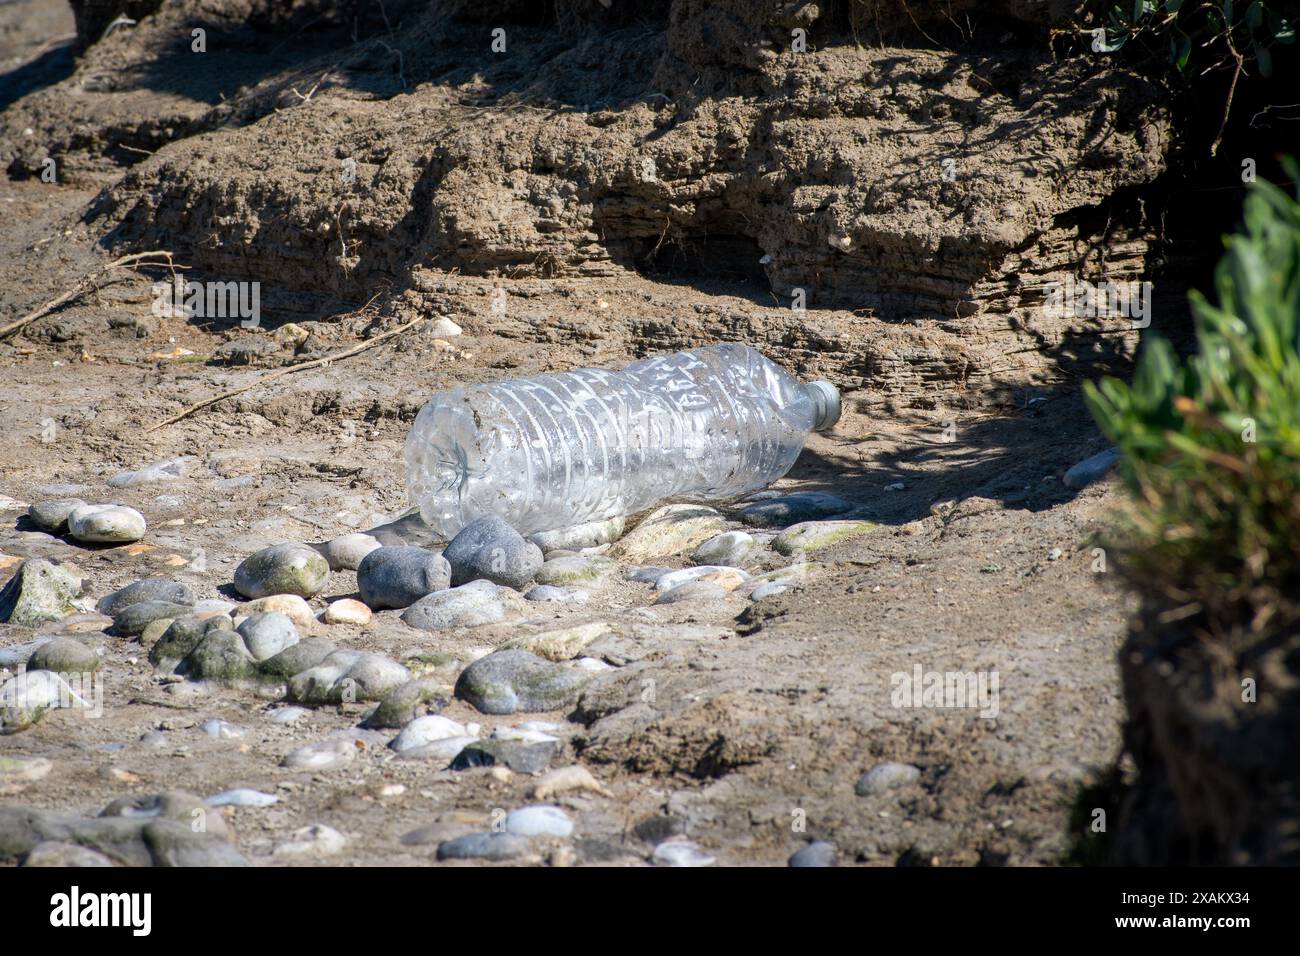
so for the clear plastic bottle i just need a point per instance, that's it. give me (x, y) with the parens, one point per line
(558, 450)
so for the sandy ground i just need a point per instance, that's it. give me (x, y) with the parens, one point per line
(765, 715)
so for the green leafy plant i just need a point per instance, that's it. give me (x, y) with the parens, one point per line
(1199, 38)
(1251, 28)
(1210, 447)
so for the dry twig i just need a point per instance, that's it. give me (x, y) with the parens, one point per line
(280, 373)
(87, 284)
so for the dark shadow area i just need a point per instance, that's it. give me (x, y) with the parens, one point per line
(52, 66)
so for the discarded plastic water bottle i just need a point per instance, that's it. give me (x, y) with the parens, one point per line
(557, 450)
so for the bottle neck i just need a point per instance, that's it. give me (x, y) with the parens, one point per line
(825, 399)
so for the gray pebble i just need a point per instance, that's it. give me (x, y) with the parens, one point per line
(426, 730)
(146, 589)
(1091, 469)
(182, 636)
(539, 820)
(816, 854)
(171, 470)
(325, 755)
(470, 605)
(347, 677)
(693, 591)
(52, 516)
(406, 702)
(483, 846)
(242, 797)
(646, 575)
(220, 656)
(551, 594)
(287, 715)
(506, 682)
(266, 635)
(517, 755)
(727, 549)
(131, 620)
(886, 776)
(221, 730)
(680, 853)
(106, 524)
(489, 549)
(40, 591)
(297, 658)
(54, 853)
(784, 510)
(345, 553)
(64, 655)
(767, 589)
(441, 750)
(397, 577)
(589, 535)
(585, 570)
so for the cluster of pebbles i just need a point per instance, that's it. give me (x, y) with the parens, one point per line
(278, 641)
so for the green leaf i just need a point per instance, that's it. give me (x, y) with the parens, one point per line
(1255, 15)
(1265, 60)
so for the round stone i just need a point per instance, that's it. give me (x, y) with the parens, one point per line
(64, 655)
(325, 755)
(575, 538)
(483, 846)
(345, 553)
(132, 620)
(506, 682)
(267, 634)
(220, 656)
(54, 853)
(347, 611)
(670, 530)
(296, 658)
(146, 589)
(728, 548)
(724, 577)
(886, 776)
(397, 577)
(470, 605)
(816, 854)
(40, 591)
(489, 549)
(282, 569)
(767, 589)
(539, 820)
(425, 730)
(52, 516)
(106, 524)
(681, 853)
(809, 536)
(550, 594)
(693, 591)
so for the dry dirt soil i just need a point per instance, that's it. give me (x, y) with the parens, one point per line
(764, 713)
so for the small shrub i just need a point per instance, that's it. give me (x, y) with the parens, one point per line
(1211, 446)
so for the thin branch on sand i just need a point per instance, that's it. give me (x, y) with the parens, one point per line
(87, 284)
(280, 373)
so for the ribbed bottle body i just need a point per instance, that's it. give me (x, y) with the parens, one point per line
(557, 450)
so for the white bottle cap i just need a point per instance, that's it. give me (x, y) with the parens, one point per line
(826, 405)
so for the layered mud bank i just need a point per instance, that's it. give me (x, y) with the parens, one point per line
(907, 185)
